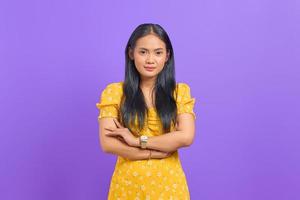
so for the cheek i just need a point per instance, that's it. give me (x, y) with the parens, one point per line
(139, 60)
(162, 62)
(139, 63)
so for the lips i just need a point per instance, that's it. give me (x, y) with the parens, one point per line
(149, 68)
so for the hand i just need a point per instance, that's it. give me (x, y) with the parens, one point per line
(160, 154)
(123, 134)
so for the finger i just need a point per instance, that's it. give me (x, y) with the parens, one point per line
(115, 123)
(109, 129)
(113, 133)
(118, 123)
(118, 132)
(121, 139)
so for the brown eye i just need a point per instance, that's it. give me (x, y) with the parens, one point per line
(159, 52)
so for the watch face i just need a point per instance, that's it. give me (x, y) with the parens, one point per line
(144, 137)
(143, 141)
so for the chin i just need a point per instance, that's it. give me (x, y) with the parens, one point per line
(147, 75)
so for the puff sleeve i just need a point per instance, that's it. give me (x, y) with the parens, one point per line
(185, 103)
(110, 99)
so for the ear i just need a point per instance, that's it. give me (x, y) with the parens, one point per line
(130, 53)
(167, 56)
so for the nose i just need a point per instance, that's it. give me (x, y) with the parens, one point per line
(150, 58)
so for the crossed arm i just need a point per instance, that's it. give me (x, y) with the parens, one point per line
(161, 146)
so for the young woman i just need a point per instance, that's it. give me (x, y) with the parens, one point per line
(146, 119)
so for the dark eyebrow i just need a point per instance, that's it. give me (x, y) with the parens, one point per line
(147, 49)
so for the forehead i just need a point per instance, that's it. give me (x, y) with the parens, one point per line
(150, 42)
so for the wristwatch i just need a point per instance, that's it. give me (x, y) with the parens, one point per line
(143, 141)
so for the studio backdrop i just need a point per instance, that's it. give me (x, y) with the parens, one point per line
(240, 59)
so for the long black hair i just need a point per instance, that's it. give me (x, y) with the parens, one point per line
(133, 106)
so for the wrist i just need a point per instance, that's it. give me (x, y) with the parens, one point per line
(144, 154)
(150, 153)
(136, 142)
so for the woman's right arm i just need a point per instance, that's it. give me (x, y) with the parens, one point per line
(114, 146)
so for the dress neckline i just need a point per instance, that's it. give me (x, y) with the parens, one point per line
(151, 108)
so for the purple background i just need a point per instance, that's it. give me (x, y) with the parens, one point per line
(240, 58)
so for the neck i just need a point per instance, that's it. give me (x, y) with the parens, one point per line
(147, 83)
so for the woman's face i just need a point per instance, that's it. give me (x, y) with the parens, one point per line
(149, 55)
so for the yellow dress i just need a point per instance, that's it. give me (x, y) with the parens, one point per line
(147, 179)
